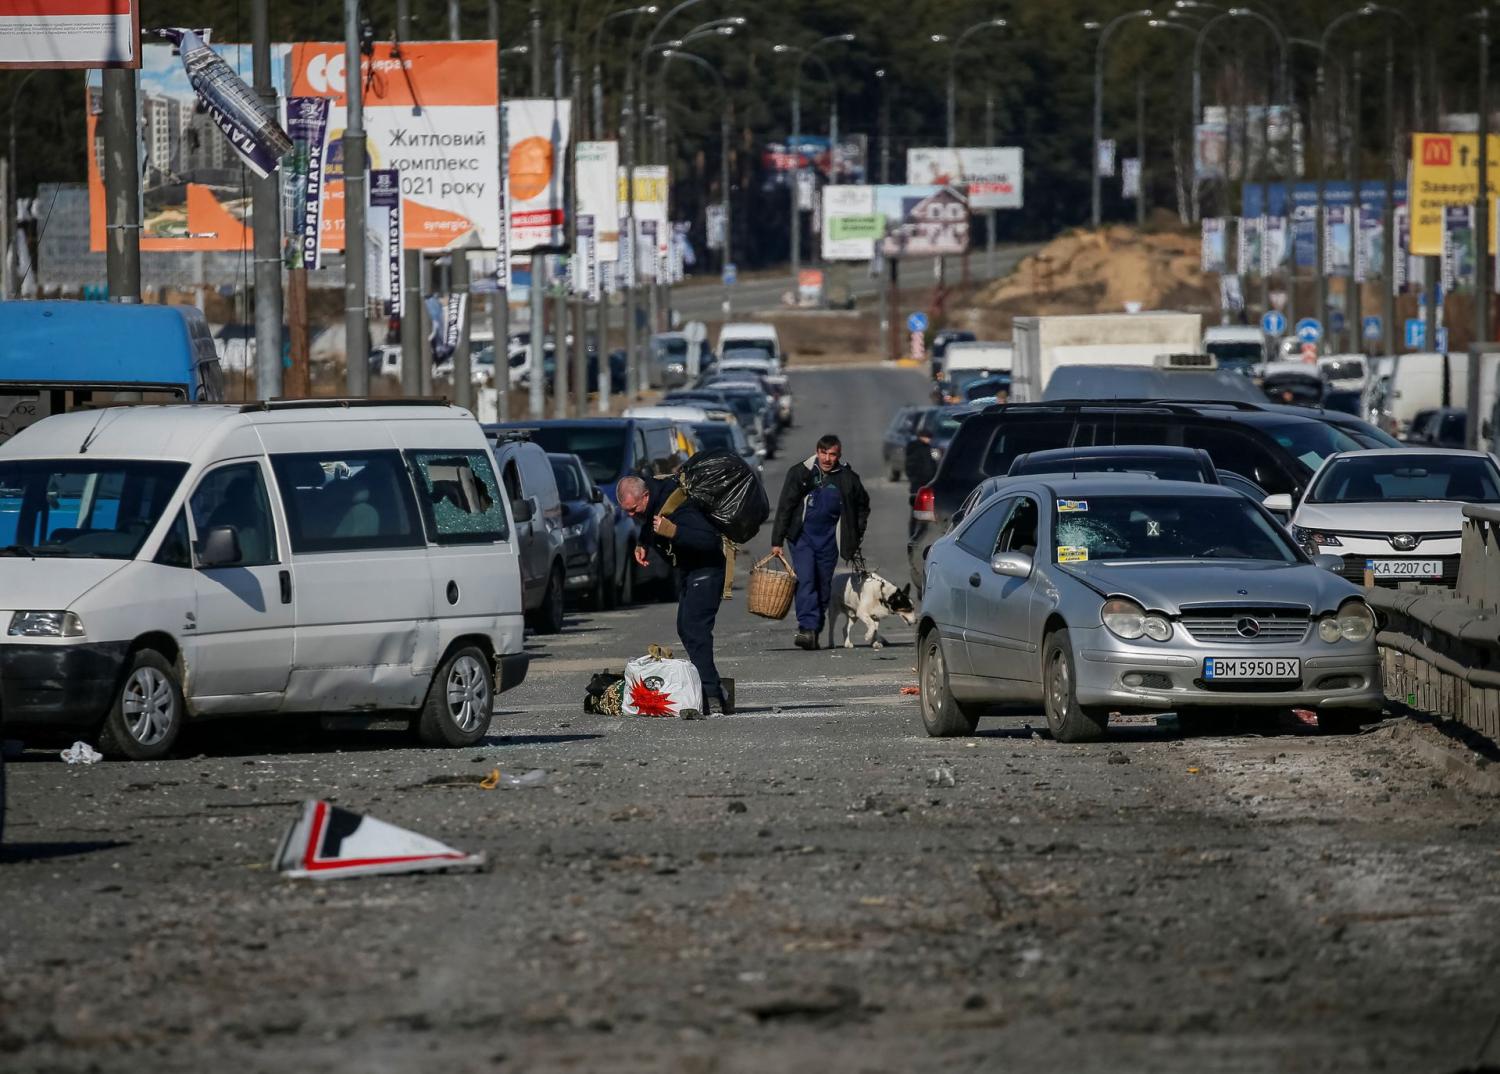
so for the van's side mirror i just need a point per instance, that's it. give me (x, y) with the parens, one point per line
(596, 495)
(523, 510)
(1279, 503)
(221, 548)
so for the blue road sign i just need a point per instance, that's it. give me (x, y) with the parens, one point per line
(1416, 333)
(1336, 321)
(1442, 334)
(1273, 323)
(917, 322)
(1309, 330)
(731, 274)
(1371, 328)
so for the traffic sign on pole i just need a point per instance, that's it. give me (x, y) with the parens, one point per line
(1442, 346)
(1336, 321)
(731, 274)
(1273, 323)
(1309, 330)
(1416, 333)
(1372, 328)
(917, 322)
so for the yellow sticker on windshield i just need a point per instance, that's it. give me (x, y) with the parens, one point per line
(1072, 553)
(1065, 506)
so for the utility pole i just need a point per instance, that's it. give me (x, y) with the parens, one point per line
(413, 349)
(538, 377)
(403, 26)
(356, 317)
(796, 155)
(266, 214)
(1140, 153)
(989, 215)
(1482, 202)
(560, 384)
(500, 303)
(1388, 210)
(458, 283)
(122, 186)
(1352, 318)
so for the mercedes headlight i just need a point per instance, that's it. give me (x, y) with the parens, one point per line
(1127, 619)
(1356, 620)
(46, 625)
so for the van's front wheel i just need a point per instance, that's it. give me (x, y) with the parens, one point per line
(148, 710)
(460, 700)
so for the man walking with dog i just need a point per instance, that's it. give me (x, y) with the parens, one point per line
(821, 515)
(681, 532)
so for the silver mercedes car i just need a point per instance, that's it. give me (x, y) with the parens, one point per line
(1114, 593)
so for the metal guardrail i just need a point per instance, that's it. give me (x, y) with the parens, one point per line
(1440, 649)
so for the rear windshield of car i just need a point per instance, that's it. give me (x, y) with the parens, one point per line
(601, 447)
(1406, 479)
(714, 435)
(762, 346)
(1163, 469)
(942, 424)
(1167, 527)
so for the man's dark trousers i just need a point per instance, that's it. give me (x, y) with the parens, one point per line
(815, 562)
(702, 590)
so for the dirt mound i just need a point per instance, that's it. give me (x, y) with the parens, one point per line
(1101, 271)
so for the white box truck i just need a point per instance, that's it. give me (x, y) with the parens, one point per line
(1044, 343)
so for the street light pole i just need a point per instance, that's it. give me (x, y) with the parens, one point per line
(597, 111)
(724, 182)
(1323, 118)
(1104, 35)
(1482, 199)
(356, 306)
(957, 43)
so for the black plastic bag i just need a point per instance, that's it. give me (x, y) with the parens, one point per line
(724, 487)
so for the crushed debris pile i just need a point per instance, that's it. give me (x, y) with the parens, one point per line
(1103, 271)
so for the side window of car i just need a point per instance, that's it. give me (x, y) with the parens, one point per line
(1158, 431)
(1019, 532)
(459, 496)
(979, 536)
(346, 501)
(662, 451)
(176, 549)
(642, 460)
(512, 480)
(537, 479)
(1014, 438)
(235, 496)
(1242, 454)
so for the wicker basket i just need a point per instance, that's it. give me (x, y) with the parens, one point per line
(770, 590)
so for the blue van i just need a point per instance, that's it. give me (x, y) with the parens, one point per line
(58, 356)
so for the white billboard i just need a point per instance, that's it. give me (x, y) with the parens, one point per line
(651, 227)
(850, 227)
(596, 179)
(991, 176)
(537, 145)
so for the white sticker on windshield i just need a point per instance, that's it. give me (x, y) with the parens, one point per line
(1065, 506)
(1153, 528)
(1072, 553)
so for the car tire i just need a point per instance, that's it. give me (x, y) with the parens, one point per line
(460, 699)
(548, 619)
(942, 715)
(627, 579)
(1069, 721)
(592, 599)
(148, 710)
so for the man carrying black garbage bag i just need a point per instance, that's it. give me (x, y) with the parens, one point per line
(822, 513)
(684, 535)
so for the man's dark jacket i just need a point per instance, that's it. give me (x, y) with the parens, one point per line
(792, 505)
(696, 543)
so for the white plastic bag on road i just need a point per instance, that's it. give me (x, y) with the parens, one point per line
(81, 753)
(661, 687)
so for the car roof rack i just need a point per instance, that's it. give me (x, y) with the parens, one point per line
(1173, 406)
(346, 404)
(509, 436)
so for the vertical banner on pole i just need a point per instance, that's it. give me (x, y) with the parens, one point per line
(1336, 240)
(307, 122)
(586, 279)
(1370, 242)
(384, 223)
(1130, 178)
(1401, 273)
(1458, 247)
(1274, 240)
(596, 180)
(1215, 255)
(537, 134)
(1251, 252)
(1106, 151)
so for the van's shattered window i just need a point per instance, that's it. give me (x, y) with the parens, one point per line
(460, 497)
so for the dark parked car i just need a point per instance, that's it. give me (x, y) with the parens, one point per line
(897, 435)
(537, 512)
(1440, 427)
(612, 448)
(1275, 447)
(588, 534)
(728, 436)
(929, 441)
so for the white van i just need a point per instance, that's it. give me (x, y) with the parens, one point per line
(965, 362)
(1420, 382)
(750, 336)
(166, 563)
(1236, 346)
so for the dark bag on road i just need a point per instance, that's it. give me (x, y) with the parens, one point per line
(725, 489)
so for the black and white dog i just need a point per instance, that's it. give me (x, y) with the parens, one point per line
(867, 598)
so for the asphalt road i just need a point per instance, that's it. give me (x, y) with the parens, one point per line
(789, 888)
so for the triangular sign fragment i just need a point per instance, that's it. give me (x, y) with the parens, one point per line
(327, 842)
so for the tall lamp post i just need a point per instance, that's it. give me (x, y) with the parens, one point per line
(1104, 34)
(803, 55)
(954, 44)
(596, 112)
(724, 183)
